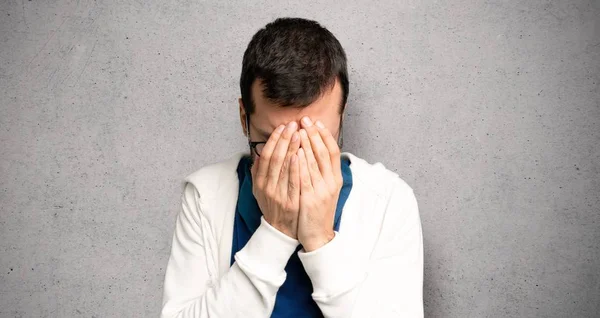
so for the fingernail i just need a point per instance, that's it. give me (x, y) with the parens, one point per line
(320, 124)
(280, 128)
(295, 137)
(307, 121)
(292, 125)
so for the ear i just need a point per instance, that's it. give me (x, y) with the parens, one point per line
(243, 117)
(342, 117)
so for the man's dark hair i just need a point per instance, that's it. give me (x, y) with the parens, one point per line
(297, 60)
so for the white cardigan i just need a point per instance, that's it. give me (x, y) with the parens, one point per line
(373, 267)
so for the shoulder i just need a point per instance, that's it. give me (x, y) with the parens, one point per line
(391, 204)
(399, 215)
(376, 178)
(210, 179)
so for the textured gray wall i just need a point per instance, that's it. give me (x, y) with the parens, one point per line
(488, 109)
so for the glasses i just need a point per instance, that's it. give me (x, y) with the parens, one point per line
(257, 146)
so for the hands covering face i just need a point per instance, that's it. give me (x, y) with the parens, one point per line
(297, 180)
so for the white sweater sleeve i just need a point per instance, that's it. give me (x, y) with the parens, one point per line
(249, 287)
(390, 284)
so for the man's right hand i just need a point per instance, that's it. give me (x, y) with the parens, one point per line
(276, 180)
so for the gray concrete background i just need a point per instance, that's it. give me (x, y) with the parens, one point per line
(488, 109)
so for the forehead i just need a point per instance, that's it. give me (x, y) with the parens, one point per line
(268, 115)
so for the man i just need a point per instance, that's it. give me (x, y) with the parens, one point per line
(294, 227)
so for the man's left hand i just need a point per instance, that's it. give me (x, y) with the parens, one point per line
(320, 184)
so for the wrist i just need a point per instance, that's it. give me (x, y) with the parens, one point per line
(314, 243)
(283, 229)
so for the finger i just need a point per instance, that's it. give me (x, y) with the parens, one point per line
(305, 181)
(254, 167)
(320, 151)
(294, 181)
(312, 165)
(284, 174)
(277, 160)
(334, 149)
(263, 167)
(253, 171)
